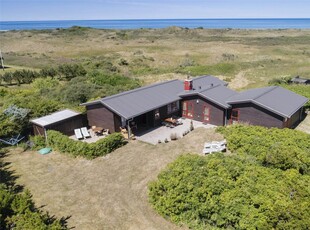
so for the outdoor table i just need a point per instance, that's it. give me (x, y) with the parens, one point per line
(171, 121)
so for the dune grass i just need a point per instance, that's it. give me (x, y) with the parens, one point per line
(261, 54)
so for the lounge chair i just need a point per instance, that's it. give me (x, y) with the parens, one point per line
(85, 132)
(78, 134)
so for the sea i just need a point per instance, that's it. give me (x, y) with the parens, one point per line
(283, 23)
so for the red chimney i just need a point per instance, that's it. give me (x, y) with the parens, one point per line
(188, 84)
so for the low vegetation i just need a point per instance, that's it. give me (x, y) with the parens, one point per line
(17, 210)
(263, 184)
(52, 89)
(64, 144)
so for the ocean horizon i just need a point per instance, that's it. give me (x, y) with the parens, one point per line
(238, 23)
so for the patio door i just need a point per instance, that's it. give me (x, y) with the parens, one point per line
(188, 109)
(206, 114)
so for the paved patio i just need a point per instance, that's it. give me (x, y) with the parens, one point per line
(152, 136)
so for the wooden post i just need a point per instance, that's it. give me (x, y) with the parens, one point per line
(1, 58)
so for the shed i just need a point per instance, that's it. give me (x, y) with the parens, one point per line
(64, 121)
(299, 80)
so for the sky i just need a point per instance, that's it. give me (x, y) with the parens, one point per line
(28, 10)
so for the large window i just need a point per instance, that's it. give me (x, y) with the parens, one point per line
(188, 109)
(173, 107)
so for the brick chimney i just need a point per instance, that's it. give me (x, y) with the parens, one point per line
(188, 84)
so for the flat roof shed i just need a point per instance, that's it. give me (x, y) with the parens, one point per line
(64, 121)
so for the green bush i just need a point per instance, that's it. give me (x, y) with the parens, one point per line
(231, 192)
(39, 142)
(278, 148)
(102, 147)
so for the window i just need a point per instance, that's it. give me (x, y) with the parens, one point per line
(157, 114)
(188, 109)
(234, 116)
(174, 106)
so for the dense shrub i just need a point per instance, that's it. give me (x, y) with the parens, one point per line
(19, 76)
(17, 210)
(13, 120)
(231, 192)
(277, 148)
(69, 71)
(102, 147)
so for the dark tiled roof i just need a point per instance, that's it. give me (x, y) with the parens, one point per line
(205, 81)
(300, 80)
(274, 98)
(217, 94)
(138, 101)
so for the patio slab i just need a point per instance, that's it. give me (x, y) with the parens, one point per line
(161, 133)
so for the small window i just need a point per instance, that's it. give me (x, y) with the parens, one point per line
(157, 114)
(234, 116)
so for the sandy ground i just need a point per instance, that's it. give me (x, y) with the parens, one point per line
(305, 125)
(108, 192)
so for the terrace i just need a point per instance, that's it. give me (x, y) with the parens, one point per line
(153, 136)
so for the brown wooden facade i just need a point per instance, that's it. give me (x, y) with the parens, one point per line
(196, 108)
(66, 126)
(203, 110)
(254, 115)
(100, 116)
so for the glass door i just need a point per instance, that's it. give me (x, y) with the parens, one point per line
(188, 109)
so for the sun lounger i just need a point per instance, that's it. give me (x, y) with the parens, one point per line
(78, 134)
(85, 132)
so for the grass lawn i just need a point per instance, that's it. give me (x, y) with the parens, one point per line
(108, 192)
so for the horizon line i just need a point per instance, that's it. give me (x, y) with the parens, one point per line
(149, 19)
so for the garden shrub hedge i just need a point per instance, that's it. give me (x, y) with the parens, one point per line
(230, 192)
(262, 184)
(64, 144)
(271, 147)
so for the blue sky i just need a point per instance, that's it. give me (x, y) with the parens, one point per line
(14, 10)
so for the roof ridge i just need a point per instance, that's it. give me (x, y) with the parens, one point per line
(201, 77)
(268, 91)
(137, 89)
(212, 87)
